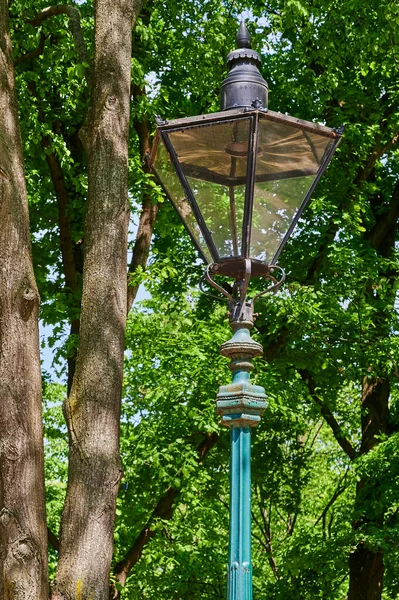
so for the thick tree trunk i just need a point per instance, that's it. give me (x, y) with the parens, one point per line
(366, 571)
(93, 407)
(23, 532)
(366, 566)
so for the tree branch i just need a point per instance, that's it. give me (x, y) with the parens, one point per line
(379, 148)
(53, 540)
(314, 438)
(265, 529)
(327, 415)
(375, 411)
(74, 26)
(386, 224)
(335, 496)
(138, 6)
(272, 349)
(65, 230)
(257, 537)
(29, 55)
(149, 210)
(163, 510)
(364, 173)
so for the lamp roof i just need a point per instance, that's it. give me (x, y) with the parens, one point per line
(244, 85)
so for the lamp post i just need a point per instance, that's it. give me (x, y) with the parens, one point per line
(239, 180)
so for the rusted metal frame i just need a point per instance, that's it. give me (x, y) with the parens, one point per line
(242, 278)
(190, 197)
(299, 124)
(324, 163)
(172, 126)
(227, 181)
(276, 282)
(232, 265)
(240, 308)
(186, 122)
(207, 275)
(250, 186)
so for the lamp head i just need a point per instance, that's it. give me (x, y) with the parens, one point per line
(241, 178)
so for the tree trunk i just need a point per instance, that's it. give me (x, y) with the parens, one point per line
(93, 407)
(366, 571)
(23, 532)
(366, 566)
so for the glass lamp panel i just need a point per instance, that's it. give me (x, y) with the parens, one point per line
(274, 208)
(223, 210)
(213, 158)
(166, 174)
(287, 163)
(285, 151)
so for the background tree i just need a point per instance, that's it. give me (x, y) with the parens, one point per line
(23, 552)
(88, 514)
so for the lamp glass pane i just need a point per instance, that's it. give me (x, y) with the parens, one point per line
(287, 163)
(166, 173)
(274, 208)
(213, 158)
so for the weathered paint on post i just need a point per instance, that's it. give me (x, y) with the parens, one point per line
(240, 404)
(239, 583)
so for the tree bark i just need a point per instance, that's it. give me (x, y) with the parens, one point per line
(93, 407)
(366, 574)
(23, 532)
(366, 566)
(327, 415)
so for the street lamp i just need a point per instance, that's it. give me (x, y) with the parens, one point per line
(240, 179)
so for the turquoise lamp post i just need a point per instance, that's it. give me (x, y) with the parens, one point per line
(240, 179)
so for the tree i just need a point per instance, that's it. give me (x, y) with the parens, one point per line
(93, 405)
(92, 409)
(22, 502)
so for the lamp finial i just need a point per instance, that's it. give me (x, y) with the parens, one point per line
(243, 39)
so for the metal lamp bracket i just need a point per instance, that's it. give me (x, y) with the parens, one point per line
(241, 309)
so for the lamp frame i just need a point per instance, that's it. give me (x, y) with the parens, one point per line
(229, 264)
